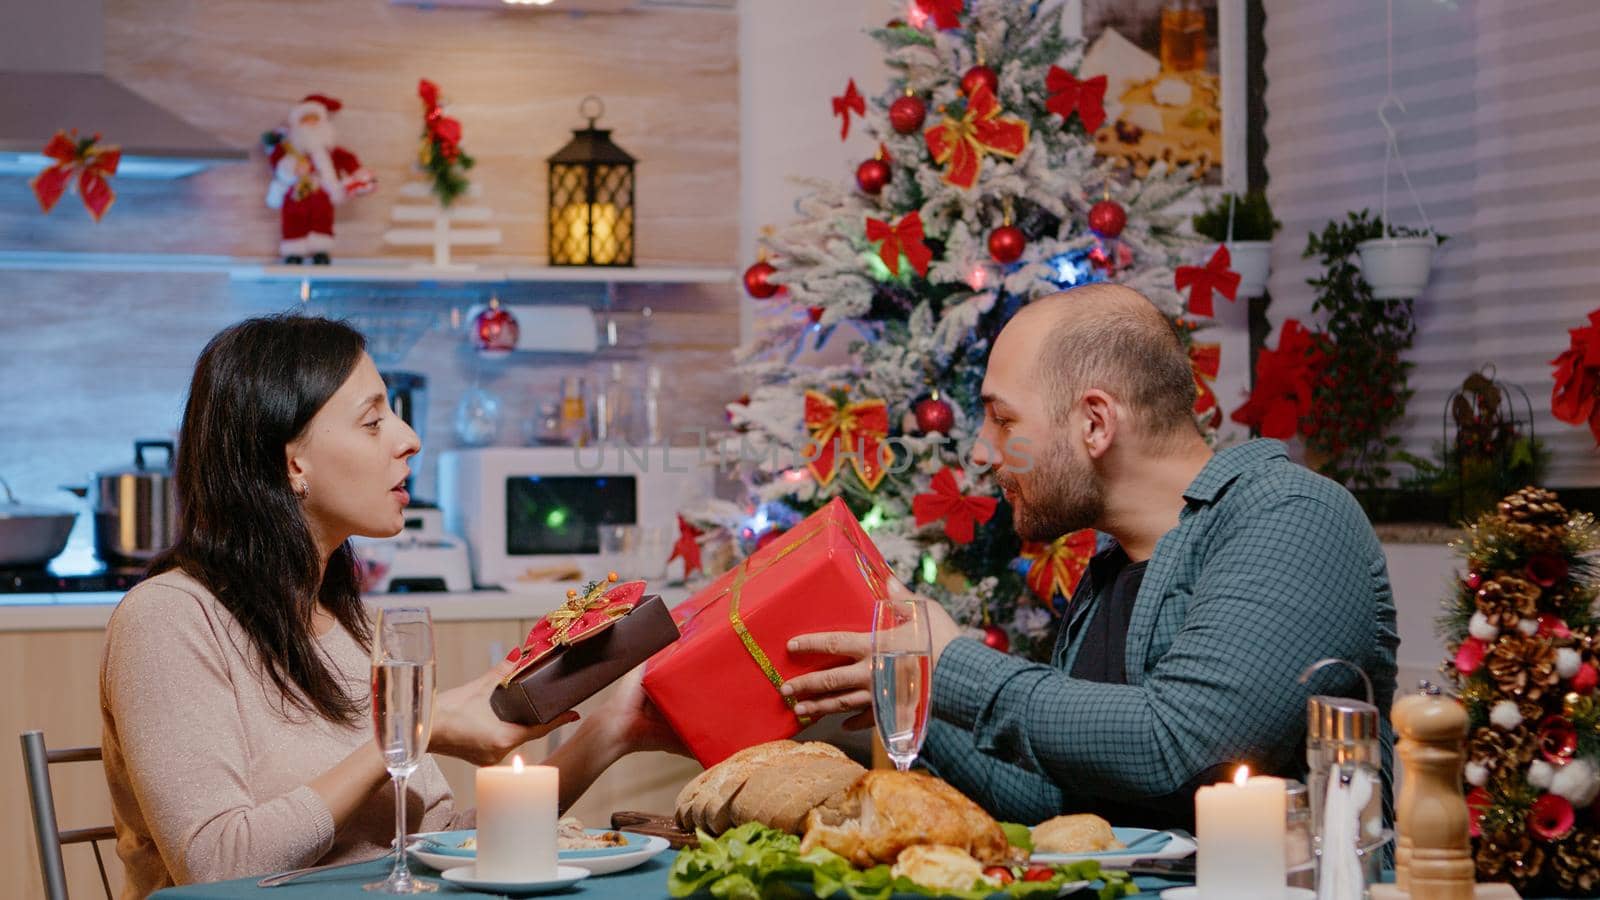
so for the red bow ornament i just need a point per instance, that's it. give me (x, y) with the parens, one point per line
(1206, 360)
(1058, 565)
(1575, 398)
(963, 142)
(1068, 95)
(944, 13)
(961, 514)
(580, 618)
(860, 427)
(846, 103)
(687, 548)
(905, 237)
(1286, 379)
(1215, 275)
(84, 158)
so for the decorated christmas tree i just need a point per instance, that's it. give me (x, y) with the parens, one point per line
(1524, 640)
(984, 194)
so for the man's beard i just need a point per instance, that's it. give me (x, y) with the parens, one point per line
(1057, 496)
(307, 138)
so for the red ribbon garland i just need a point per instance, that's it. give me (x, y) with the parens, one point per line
(944, 13)
(963, 142)
(1058, 565)
(687, 547)
(905, 237)
(860, 427)
(1068, 95)
(1206, 360)
(961, 514)
(1281, 401)
(84, 158)
(1216, 275)
(1575, 397)
(846, 103)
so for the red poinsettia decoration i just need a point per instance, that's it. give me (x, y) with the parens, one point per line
(687, 547)
(944, 13)
(961, 514)
(904, 236)
(1201, 281)
(1281, 401)
(963, 142)
(85, 159)
(1057, 566)
(1206, 360)
(1576, 396)
(1068, 95)
(849, 102)
(443, 131)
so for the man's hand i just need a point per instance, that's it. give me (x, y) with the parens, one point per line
(464, 725)
(628, 722)
(848, 687)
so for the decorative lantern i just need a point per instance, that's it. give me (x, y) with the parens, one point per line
(591, 197)
(1489, 444)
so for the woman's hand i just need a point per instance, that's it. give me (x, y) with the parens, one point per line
(630, 722)
(464, 725)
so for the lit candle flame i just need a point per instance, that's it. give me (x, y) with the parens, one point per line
(1241, 775)
(516, 763)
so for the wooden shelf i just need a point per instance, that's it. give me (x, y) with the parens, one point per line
(392, 270)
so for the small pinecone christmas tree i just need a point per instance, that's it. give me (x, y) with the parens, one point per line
(1525, 652)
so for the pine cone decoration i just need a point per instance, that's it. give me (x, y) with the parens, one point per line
(1575, 863)
(1533, 506)
(1508, 751)
(1511, 855)
(1522, 667)
(1506, 600)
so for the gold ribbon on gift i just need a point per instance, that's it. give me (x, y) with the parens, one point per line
(562, 619)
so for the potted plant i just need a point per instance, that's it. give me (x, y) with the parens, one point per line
(1396, 263)
(1250, 244)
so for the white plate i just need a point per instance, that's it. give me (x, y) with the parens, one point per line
(599, 862)
(1190, 892)
(1174, 848)
(566, 876)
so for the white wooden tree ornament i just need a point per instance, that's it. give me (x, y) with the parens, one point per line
(461, 225)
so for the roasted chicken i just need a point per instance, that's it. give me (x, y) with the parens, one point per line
(885, 812)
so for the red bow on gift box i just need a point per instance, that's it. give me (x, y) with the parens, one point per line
(961, 514)
(860, 427)
(1058, 565)
(687, 547)
(963, 142)
(1575, 398)
(944, 13)
(905, 237)
(846, 103)
(1215, 275)
(1068, 95)
(1281, 401)
(83, 157)
(1206, 360)
(580, 618)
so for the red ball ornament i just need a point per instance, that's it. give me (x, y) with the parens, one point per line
(1107, 218)
(1586, 680)
(980, 74)
(1006, 244)
(1558, 739)
(907, 113)
(996, 637)
(1551, 818)
(872, 175)
(494, 331)
(756, 283)
(1474, 581)
(814, 313)
(934, 414)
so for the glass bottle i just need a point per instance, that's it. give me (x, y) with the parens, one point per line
(575, 411)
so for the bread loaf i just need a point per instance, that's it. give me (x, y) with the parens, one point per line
(776, 783)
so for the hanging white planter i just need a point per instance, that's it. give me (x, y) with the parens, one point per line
(1252, 260)
(1397, 267)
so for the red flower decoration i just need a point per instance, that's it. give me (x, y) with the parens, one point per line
(961, 514)
(1206, 360)
(944, 13)
(1575, 398)
(905, 236)
(1550, 625)
(687, 547)
(1058, 565)
(1547, 569)
(1558, 739)
(1281, 399)
(1068, 95)
(1478, 803)
(963, 142)
(846, 103)
(1215, 275)
(1469, 656)
(1551, 818)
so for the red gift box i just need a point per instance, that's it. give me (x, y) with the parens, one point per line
(718, 684)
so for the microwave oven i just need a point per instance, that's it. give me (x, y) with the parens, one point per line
(525, 511)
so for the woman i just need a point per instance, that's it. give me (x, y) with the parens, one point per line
(234, 687)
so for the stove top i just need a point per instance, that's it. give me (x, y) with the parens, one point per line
(51, 579)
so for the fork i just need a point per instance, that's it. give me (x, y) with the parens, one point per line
(296, 874)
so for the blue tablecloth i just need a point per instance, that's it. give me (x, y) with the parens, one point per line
(646, 881)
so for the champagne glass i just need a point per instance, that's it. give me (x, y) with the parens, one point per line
(402, 715)
(901, 669)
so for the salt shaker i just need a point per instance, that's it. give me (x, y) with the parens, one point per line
(1342, 744)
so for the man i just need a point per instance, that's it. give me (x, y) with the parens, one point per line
(1178, 657)
(311, 174)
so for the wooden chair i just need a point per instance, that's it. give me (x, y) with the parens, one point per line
(36, 762)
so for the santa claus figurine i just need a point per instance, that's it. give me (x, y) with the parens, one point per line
(311, 175)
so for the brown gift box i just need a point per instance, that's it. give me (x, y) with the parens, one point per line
(578, 671)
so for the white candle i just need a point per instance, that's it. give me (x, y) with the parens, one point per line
(517, 822)
(1241, 831)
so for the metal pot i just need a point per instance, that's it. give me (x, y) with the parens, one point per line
(31, 535)
(135, 510)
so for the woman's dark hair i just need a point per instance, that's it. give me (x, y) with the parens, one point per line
(241, 530)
